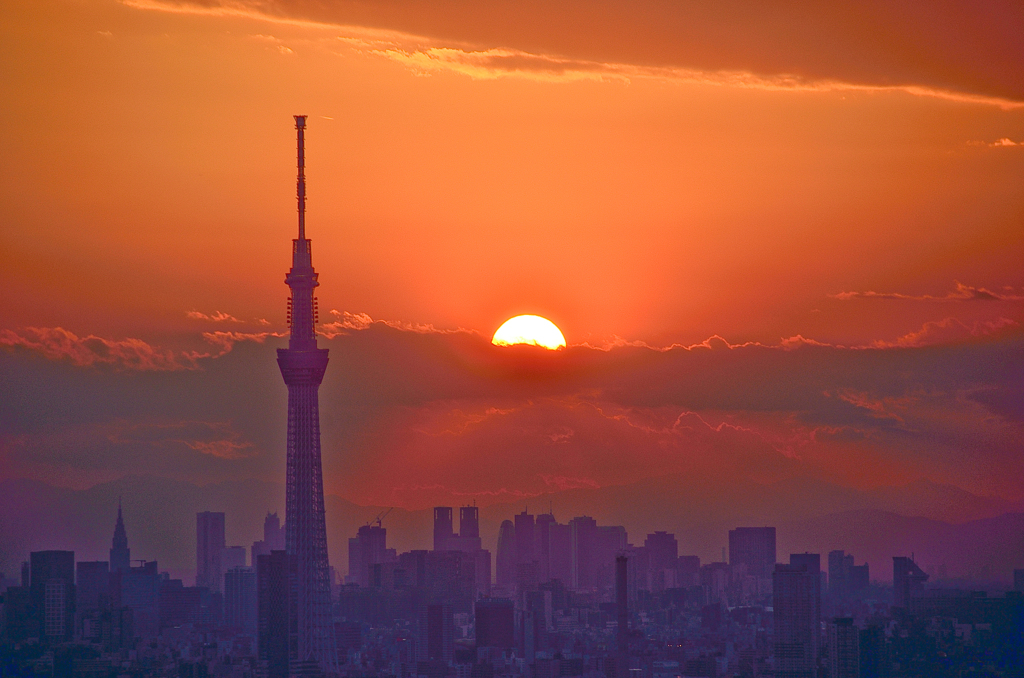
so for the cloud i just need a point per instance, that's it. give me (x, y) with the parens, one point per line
(56, 343)
(946, 50)
(412, 415)
(159, 446)
(225, 341)
(216, 317)
(360, 321)
(946, 331)
(961, 293)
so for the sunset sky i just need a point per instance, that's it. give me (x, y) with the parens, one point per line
(781, 241)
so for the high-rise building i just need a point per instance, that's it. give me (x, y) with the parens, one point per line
(753, 547)
(20, 620)
(180, 604)
(273, 538)
(662, 557)
(366, 549)
(272, 637)
(838, 573)
(53, 593)
(524, 538)
(92, 585)
(843, 648)
(505, 560)
(450, 577)
(610, 540)
(908, 580)
(812, 561)
(436, 637)
(139, 589)
(240, 599)
(583, 535)
(467, 539)
(303, 365)
(444, 529)
(796, 632)
(874, 653)
(495, 623)
(469, 522)
(663, 549)
(859, 578)
(273, 532)
(233, 556)
(622, 612)
(120, 554)
(542, 540)
(560, 553)
(210, 550)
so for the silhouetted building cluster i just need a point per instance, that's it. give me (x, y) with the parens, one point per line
(573, 599)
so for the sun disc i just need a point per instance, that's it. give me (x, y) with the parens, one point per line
(529, 329)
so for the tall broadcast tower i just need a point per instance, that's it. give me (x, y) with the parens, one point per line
(311, 629)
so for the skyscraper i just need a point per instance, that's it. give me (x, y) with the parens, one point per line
(524, 538)
(303, 365)
(843, 648)
(622, 612)
(92, 585)
(495, 623)
(209, 550)
(120, 555)
(469, 522)
(368, 548)
(753, 547)
(272, 612)
(444, 529)
(542, 539)
(53, 592)
(812, 561)
(505, 561)
(907, 578)
(796, 633)
(273, 538)
(583, 535)
(436, 637)
(240, 599)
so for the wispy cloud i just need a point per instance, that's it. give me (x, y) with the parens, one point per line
(57, 343)
(948, 330)
(490, 64)
(961, 293)
(425, 56)
(225, 341)
(215, 317)
(361, 321)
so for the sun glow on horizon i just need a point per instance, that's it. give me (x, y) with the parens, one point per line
(529, 329)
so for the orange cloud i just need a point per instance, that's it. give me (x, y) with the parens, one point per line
(961, 293)
(57, 343)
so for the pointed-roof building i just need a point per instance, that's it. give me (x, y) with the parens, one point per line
(120, 554)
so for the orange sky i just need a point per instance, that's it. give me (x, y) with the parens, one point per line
(632, 174)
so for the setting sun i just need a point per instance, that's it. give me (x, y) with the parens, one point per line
(529, 329)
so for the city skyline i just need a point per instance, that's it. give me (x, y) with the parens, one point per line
(581, 598)
(666, 339)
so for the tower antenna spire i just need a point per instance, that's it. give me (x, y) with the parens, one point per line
(311, 635)
(300, 183)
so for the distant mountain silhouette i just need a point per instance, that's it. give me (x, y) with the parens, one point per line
(940, 524)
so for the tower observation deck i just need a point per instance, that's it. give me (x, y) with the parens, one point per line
(311, 629)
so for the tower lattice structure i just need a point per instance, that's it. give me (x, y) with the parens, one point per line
(311, 629)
